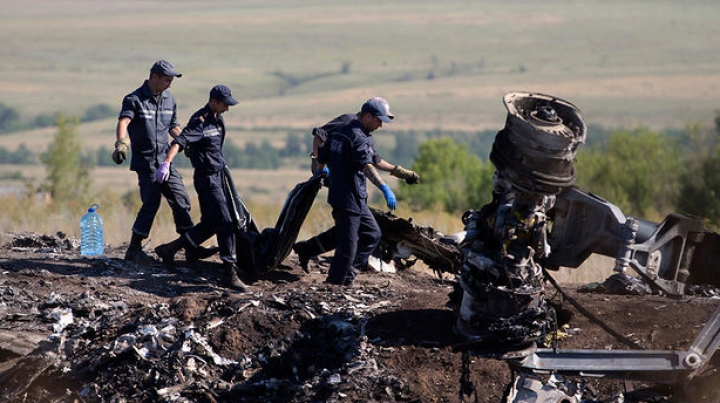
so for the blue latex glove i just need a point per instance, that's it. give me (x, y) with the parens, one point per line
(163, 173)
(389, 196)
(323, 172)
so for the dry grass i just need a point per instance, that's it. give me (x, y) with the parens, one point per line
(263, 192)
(595, 269)
(38, 214)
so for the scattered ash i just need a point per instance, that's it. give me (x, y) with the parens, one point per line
(83, 330)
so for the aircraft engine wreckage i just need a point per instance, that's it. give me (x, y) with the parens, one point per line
(537, 221)
(501, 279)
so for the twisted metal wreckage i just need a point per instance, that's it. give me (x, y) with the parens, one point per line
(537, 221)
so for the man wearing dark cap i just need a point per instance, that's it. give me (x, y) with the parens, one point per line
(349, 153)
(325, 241)
(206, 133)
(148, 115)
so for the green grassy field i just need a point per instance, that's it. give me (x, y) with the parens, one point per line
(644, 62)
(295, 64)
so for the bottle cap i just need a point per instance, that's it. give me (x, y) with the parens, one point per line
(93, 208)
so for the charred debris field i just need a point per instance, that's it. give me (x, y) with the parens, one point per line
(77, 329)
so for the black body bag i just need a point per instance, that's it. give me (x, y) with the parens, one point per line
(263, 251)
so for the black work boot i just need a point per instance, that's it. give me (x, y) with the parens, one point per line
(135, 252)
(192, 255)
(300, 249)
(231, 278)
(310, 248)
(167, 252)
(350, 277)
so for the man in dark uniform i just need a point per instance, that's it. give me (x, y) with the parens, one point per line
(205, 132)
(325, 241)
(349, 153)
(148, 115)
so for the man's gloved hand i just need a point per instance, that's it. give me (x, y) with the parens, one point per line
(324, 171)
(121, 149)
(163, 172)
(389, 196)
(411, 177)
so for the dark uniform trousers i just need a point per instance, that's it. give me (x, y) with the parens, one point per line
(358, 234)
(151, 194)
(215, 217)
(320, 243)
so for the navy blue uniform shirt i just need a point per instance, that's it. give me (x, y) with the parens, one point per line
(347, 151)
(206, 134)
(151, 119)
(324, 131)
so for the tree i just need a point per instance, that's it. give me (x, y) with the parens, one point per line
(97, 112)
(451, 178)
(22, 155)
(9, 119)
(294, 146)
(702, 196)
(43, 120)
(700, 189)
(636, 170)
(234, 155)
(406, 147)
(265, 157)
(68, 176)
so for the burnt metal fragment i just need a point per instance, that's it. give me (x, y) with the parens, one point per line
(402, 238)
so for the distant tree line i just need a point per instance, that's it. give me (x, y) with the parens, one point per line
(253, 155)
(261, 155)
(10, 120)
(646, 173)
(21, 156)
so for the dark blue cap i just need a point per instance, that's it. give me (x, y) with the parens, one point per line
(165, 68)
(222, 94)
(378, 107)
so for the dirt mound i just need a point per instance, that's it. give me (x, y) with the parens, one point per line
(100, 330)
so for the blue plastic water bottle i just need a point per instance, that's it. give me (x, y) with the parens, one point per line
(91, 233)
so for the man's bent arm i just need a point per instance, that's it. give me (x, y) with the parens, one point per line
(372, 174)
